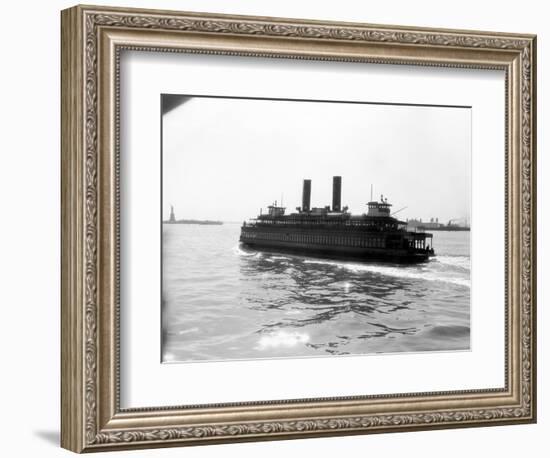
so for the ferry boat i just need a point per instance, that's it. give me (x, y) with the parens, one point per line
(333, 232)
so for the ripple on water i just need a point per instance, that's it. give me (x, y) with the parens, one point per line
(221, 301)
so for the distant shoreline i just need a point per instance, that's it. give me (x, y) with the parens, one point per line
(443, 228)
(195, 221)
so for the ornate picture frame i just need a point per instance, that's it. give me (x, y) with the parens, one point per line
(92, 40)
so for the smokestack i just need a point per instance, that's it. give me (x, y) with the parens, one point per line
(306, 196)
(336, 194)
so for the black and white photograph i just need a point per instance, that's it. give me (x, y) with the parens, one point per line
(307, 228)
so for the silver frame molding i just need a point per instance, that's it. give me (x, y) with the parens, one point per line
(92, 39)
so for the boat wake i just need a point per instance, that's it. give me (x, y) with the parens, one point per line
(245, 253)
(462, 262)
(400, 272)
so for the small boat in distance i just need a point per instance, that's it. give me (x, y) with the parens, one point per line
(337, 234)
(173, 220)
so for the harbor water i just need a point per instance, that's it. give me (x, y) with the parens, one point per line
(223, 302)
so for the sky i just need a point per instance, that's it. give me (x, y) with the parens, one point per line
(226, 158)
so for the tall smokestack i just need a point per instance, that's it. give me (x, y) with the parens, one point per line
(336, 194)
(306, 196)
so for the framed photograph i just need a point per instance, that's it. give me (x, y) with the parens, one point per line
(278, 228)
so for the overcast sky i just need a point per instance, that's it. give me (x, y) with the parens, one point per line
(225, 158)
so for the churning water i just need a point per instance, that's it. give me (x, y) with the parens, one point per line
(222, 302)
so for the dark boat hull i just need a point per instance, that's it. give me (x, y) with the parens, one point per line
(347, 253)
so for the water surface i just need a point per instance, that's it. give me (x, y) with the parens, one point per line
(222, 302)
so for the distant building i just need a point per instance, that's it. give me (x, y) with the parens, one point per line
(435, 225)
(418, 223)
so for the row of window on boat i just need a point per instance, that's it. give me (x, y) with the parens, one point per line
(364, 242)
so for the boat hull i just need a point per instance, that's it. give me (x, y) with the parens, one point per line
(397, 255)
